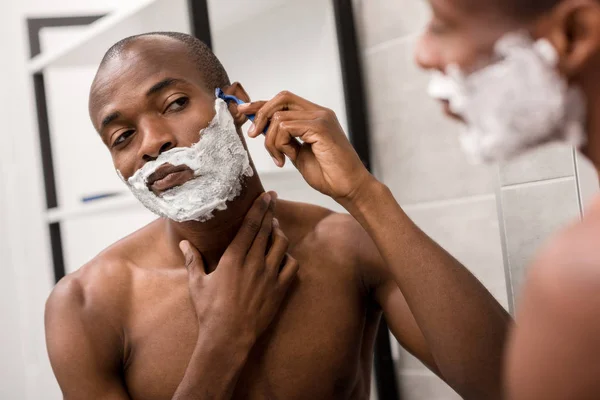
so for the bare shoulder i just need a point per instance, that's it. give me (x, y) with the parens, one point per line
(97, 290)
(101, 287)
(340, 237)
(553, 348)
(566, 275)
(85, 318)
(307, 223)
(104, 282)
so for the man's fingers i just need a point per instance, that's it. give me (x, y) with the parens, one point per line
(252, 223)
(251, 108)
(270, 137)
(284, 101)
(193, 260)
(239, 118)
(288, 272)
(288, 145)
(278, 142)
(261, 241)
(304, 130)
(277, 251)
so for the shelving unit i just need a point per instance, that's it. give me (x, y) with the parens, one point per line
(120, 202)
(89, 47)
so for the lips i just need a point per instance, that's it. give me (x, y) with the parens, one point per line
(168, 176)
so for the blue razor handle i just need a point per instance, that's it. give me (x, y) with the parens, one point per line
(228, 98)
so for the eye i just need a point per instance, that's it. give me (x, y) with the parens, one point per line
(123, 137)
(178, 104)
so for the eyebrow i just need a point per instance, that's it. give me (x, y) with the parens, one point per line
(165, 83)
(110, 118)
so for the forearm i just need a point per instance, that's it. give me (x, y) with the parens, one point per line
(463, 324)
(214, 367)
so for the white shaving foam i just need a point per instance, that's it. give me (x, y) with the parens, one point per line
(514, 104)
(219, 161)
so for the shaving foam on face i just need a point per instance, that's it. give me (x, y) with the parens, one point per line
(514, 104)
(219, 161)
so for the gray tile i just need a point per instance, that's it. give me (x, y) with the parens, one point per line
(416, 149)
(552, 161)
(470, 231)
(532, 214)
(425, 387)
(382, 20)
(588, 180)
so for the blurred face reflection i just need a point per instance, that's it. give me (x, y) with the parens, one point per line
(463, 34)
(502, 77)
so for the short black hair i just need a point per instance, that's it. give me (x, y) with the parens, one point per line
(211, 68)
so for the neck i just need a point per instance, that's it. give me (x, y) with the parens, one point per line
(591, 87)
(212, 237)
(592, 147)
(592, 150)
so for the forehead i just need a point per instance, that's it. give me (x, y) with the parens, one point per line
(141, 63)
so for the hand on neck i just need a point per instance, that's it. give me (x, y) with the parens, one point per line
(212, 237)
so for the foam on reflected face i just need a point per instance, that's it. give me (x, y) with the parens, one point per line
(514, 104)
(219, 162)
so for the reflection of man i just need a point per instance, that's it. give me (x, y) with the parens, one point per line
(518, 73)
(133, 323)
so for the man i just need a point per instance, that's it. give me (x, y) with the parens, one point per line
(133, 323)
(518, 73)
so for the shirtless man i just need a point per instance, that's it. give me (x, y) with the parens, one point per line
(518, 73)
(135, 323)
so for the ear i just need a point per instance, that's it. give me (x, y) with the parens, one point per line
(236, 89)
(573, 27)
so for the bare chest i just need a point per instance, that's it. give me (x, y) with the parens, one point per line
(312, 350)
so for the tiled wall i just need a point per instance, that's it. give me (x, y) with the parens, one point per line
(493, 219)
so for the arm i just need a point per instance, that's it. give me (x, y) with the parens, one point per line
(408, 330)
(463, 325)
(84, 348)
(460, 320)
(553, 354)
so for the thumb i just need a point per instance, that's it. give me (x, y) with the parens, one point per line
(193, 259)
(251, 108)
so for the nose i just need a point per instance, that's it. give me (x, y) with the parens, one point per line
(427, 55)
(157, 138)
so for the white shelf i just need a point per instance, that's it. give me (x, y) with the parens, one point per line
(110, 204)
(90, 46)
